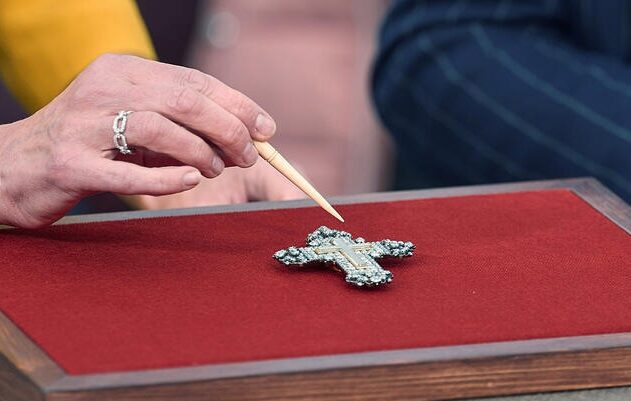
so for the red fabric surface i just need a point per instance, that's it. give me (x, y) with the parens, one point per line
(183, 291)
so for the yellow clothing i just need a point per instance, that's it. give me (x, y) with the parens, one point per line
(44, 44)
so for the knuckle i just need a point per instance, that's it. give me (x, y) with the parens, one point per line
(244, 106)
(197, 81)
(184, 101)
(115, 60)
(106, 61)
(235, 133)
(107, 58)
(106, 68)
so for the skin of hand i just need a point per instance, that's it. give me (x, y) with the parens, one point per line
(234, 185)
(185, 125)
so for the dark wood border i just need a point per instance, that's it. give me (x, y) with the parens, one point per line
(25, 370)
(27, 373)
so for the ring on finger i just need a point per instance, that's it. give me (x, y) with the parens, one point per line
(119, 126)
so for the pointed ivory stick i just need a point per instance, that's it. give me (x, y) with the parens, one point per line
(277, 161)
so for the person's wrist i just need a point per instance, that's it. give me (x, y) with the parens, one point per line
(6, 206)
(9, 212)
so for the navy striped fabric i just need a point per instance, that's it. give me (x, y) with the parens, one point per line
(478, 91)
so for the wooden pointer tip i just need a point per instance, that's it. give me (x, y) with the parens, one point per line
(336, 214)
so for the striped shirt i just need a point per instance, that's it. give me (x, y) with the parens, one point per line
(480, 91)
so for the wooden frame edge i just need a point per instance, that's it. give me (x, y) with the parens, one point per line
(424, 381)
(23, 363)
(605, 201)
(381, 359)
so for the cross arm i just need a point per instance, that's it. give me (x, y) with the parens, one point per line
(389, 247)
(298, 256)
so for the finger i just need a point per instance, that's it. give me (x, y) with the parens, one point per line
(159, 134)
(124, 178)
(202, 115)
(259, 123)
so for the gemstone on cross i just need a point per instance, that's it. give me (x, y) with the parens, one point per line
(355, 257)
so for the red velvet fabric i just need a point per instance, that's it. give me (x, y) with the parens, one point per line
(184, 291)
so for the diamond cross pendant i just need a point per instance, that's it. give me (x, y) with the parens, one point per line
(355, 257)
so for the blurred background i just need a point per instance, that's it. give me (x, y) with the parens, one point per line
(307, 63)
(551, 86)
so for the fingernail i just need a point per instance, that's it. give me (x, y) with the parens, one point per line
(217, 165)
(265, 125)
(191, 179)
(250, 155)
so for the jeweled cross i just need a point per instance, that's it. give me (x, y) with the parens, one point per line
(355, 257)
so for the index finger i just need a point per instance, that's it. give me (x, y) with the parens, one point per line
(259, 123)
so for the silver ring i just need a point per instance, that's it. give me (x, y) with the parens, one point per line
(120, 141)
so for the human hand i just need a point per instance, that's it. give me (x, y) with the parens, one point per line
(234, 185)
(185, 124)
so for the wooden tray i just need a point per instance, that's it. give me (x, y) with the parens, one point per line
(579, 362)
